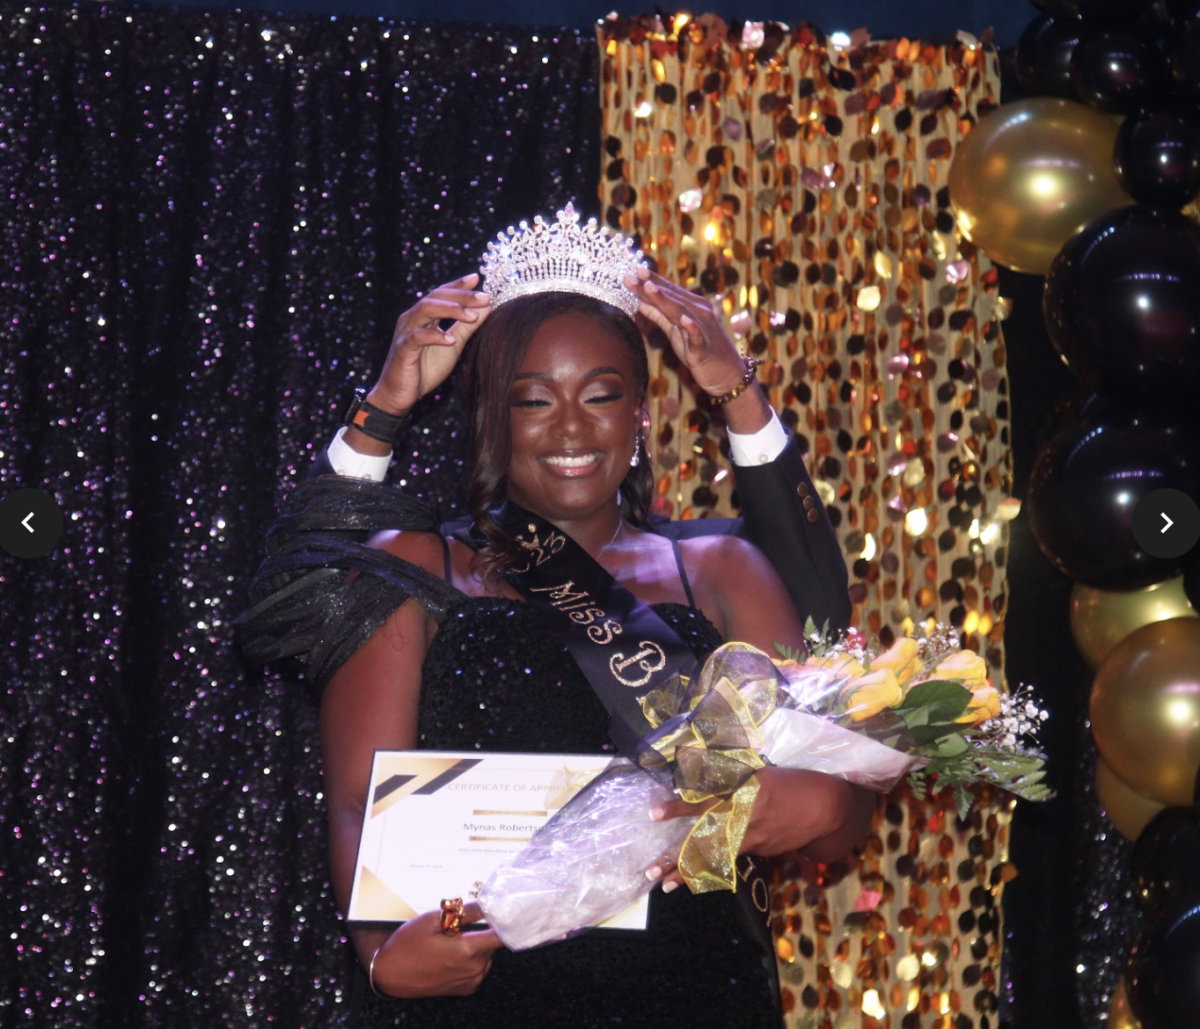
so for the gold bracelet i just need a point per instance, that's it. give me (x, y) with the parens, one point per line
(752, 364)
(371, 975)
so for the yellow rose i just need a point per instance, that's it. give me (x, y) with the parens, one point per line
(869, 694)
(840, 664)
(901, 657)
(985, 704)
(966, 666)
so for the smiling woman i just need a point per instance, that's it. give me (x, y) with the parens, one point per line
(558, 383)
(539, 626)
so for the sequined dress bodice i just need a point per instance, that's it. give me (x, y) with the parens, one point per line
(496, 678)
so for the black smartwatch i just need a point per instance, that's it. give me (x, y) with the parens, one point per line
(368, 419)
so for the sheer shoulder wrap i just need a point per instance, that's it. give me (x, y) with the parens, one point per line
(302, 607)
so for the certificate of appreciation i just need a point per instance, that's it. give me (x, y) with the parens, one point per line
(437, 822)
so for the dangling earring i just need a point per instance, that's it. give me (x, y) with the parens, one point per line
(638, 443)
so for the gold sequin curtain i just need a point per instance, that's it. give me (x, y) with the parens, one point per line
(802, 187)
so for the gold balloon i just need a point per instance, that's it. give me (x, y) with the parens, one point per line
(1128, 811)
(1100, 619)
(1119, 1014)
(1145, 709)
(1030, 175)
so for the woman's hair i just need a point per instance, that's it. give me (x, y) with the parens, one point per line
(489, 368)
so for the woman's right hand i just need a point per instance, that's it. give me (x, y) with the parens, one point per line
(422, 354)
(419, 960)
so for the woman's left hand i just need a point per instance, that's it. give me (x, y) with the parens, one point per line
(822, 815)
(693, 330)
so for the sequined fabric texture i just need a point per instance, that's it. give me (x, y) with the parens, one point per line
(209, 224)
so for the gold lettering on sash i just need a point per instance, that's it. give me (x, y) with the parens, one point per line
(541, 550)
(760, 895)
(562, 597)
(587, 616)
(759, 892)
(650, 659)
(604, 633)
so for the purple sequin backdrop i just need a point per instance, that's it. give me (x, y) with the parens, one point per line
(208, 225)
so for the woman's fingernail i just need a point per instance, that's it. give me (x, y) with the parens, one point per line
(653, 872)
(650, 287)
(656, 814)
(668, 887)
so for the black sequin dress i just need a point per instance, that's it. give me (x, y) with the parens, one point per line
(497, 679)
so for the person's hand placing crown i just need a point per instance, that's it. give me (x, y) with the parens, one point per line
(699, 339)
(430, 336)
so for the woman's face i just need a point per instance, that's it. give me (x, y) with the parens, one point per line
(575, 411)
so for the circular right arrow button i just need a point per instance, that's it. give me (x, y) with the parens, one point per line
(1166, 523)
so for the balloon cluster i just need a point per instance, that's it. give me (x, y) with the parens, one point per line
(1091, 180)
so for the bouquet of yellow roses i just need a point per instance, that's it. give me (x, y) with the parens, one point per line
(927, 699)
(922, 708)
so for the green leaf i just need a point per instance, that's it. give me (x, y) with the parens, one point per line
(952, 746)
(789, 653)
(925, 734)
(962, 801)
(944, 701)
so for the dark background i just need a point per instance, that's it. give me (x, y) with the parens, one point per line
(883, 18)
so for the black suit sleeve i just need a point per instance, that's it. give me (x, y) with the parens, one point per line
(321, 465)
(785, 519)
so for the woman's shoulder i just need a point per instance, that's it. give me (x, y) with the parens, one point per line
(731, 568)
(420, 547)
(721, 553)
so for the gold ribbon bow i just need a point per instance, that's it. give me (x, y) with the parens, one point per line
(714, 746)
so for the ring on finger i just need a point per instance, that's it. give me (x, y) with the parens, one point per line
(452, 912)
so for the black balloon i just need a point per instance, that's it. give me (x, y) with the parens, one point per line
(1166, 858)
(1183, 54)
(1115, 69)
(1058, 6)
(1069, 408)
(1122, 304)
(1043, 56)
(1157, 153)
(1124, 12)
(1162, 977)
(1191, 588)
(1086, 482)
(1180, 9)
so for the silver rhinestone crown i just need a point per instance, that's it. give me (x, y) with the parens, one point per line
(563, 257)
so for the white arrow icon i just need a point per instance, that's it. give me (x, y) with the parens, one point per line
(1167, 520)
(25, 521)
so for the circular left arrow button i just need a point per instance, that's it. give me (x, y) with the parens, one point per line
(31, 523)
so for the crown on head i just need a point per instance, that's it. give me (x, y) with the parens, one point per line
(563, 257)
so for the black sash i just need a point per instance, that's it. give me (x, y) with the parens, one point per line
(622, 647)
(624, 650)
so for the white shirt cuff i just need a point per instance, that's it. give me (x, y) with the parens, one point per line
(348, 461)
(760, 447)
